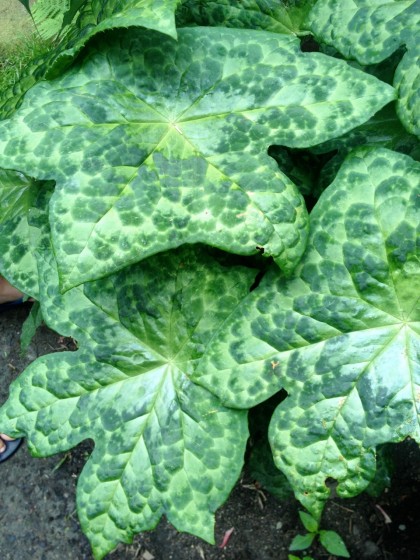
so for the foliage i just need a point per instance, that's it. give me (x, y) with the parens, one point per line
(154, 197)
(330, 540)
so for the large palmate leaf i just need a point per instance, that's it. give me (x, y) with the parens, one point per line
(342, 336)
(268, 15)
(93, 17)
(367, 30)
(163, 445)
(407, 83)
(19, 228)
(154, 143)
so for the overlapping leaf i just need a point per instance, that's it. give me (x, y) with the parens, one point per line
(268, 15)
(154, 143)
(48, 16)
(383, 130)
(19, 228)
(407, 83)
(163, 445)
(94, 17)
(367, 30)
(342, 337)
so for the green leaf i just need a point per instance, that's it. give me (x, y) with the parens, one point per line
(383, 130)
(385, 468)
(30, 326)
(407, 83)
(301, 542)
(341, 337)
(260, 463)
(95, 16)
(73, 8)
(48, 16)
(171, 153)
(27, 6)
(367, 30)
(19, 195)
(267, 15)
(163, 445)
(310, 524)
(333, 543)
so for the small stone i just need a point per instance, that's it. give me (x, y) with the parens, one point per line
(147, 556)
(402, 527)
(279, 525)
(371, 550)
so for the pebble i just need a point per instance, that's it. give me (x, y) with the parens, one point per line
(370, 550)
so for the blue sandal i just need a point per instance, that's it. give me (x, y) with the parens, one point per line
(9, 304)
(11, 447)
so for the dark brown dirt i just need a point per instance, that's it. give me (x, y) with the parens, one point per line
(38, 520)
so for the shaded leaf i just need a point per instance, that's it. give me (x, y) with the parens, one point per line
(18, 213)
(175, 150)
(385, 468)
(260, 463)
(407, 84)
(341, 337)
(267, 15)
(163, 445)
(367, 30)
(30, 326)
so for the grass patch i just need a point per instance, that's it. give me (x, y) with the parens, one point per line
(14, 58)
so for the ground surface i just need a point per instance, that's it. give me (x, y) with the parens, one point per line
(37, 501)
(15, 21)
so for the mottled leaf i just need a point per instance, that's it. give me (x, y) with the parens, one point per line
(341, 337)
(155, 143)
(367, 30)
(268, 15)
(407, 84)
(19, 196)
(31, 324)
(95, 16)
(383, 130)
(163, 445)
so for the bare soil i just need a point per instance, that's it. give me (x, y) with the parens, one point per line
(38, 520)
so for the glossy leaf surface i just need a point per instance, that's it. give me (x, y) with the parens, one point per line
(175, 151)
(163, 445)
(341, 337)
(367, 30)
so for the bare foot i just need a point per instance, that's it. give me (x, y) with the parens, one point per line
(8, 293)
(4, 438)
